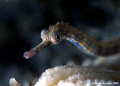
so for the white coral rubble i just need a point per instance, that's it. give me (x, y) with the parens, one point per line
(13, 82)
(78, 76)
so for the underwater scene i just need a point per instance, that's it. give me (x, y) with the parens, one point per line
(59, 42)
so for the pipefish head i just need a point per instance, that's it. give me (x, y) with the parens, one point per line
(49, 37)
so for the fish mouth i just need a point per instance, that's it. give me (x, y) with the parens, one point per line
(33, 51)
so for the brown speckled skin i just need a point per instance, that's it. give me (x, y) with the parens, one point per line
(65, 30)
(111, 46)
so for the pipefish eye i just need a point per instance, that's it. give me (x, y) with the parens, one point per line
(57, 37)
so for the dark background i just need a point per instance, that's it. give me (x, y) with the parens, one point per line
(21, 22)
